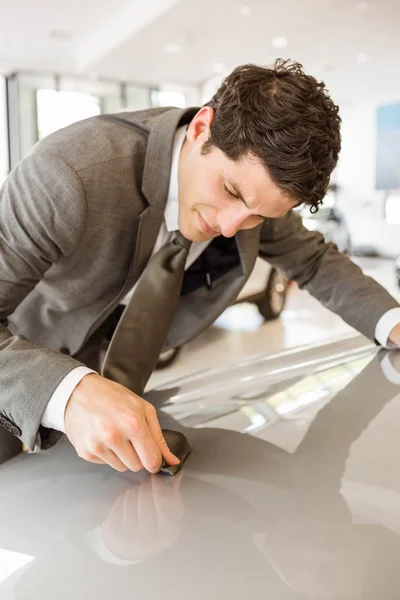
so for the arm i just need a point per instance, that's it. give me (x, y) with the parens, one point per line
(53, 416)
(42, 216)
(326, 273)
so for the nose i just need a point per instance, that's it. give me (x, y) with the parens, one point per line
(230, 221)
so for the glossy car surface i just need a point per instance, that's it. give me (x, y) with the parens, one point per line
(292, 491)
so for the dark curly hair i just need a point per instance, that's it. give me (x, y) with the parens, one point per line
(284, 117)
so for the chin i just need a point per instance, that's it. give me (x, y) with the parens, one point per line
(203, 237)
(196, 236)
(192, 233)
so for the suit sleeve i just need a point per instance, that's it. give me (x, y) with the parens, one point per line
(327, 274)
(42, 215)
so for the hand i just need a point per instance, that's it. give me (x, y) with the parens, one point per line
(107, 423)
(394, 335)
(146, 519)
(394, 358)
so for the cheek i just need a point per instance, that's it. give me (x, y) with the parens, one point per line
(209, 194)
(207, 187)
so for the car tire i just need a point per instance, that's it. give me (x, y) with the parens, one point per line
(167, 358)
(347, 246)
(272, 303)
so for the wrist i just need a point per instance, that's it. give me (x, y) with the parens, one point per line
(80, 392)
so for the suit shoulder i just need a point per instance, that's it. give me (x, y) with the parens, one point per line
(100, 139)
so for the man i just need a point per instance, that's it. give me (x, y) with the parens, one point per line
(84, 214)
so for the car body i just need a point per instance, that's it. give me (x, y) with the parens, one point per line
(291, 491)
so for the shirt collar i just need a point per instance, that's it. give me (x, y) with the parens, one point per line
(172, 207)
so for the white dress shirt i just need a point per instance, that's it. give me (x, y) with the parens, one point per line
(53, 416)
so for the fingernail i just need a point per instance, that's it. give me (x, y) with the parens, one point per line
(176, 459)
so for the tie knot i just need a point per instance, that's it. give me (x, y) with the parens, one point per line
(180, 240)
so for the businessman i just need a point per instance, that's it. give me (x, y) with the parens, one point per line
(142, 228)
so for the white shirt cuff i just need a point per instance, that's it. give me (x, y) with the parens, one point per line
(389, 370)
(390, 319)
(53, 416)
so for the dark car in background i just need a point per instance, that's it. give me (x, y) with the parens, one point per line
(397, 269)
(266, 288)
(330, 221)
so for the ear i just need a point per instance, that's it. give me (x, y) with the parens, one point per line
(199, 126)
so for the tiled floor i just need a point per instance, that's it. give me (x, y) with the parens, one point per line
(241, 332)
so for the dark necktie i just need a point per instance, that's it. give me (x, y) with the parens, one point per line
(142, 330)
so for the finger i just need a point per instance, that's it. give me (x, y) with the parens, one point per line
(157, 434)
(94, 459)
(145, 446)
(128, 455)
(112, 459)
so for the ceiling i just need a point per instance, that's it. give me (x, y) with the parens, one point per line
(126, 39)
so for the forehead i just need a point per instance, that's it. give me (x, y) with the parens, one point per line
(251, 176)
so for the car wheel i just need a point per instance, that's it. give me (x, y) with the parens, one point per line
(347, 246)
(273, 301)
(167, 358)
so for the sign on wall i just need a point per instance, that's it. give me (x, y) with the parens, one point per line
(388, 148)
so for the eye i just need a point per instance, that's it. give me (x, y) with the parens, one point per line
(228, 191)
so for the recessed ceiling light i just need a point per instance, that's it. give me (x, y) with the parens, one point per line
(329, 68)
(173, 48)
(60, 35)
(219, 67)
(245, 10)
(362, 57)
(279, 42)
(363, 5)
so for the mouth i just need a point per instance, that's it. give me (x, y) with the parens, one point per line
(206, 228)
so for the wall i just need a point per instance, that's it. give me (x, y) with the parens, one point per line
(3, 132)
(361, 203)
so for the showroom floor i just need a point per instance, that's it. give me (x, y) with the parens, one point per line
(240, 331)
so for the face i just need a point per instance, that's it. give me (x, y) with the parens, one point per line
(219, 196)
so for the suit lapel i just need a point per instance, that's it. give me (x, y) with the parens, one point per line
(155, 182)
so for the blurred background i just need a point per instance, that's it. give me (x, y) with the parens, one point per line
(62, 62)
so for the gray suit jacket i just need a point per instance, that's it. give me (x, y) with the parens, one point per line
(79, 217)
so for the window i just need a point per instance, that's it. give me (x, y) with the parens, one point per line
(59, 109)
(3, 132)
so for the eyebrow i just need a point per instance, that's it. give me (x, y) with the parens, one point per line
(240, 195)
